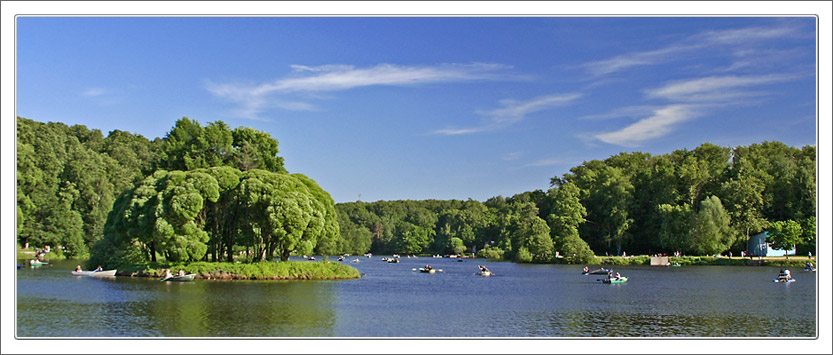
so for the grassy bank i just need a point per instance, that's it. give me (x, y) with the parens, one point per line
(290, 270)
(54, 254)
(793, 261)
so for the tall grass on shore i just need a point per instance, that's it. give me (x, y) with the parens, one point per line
(288, 270)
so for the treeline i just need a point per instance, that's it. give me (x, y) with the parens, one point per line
(208, 192)
(196, 193)
(701, 202)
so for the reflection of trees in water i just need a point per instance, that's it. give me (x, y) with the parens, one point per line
(245, 309)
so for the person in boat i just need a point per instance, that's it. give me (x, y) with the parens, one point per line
(618, 276)
(78, 268)
(808, 265)
(427, 267)
(168, 274)
(610, 275)
(483, 268)
(99, 268)
(787, 273)
(586, 269)
(180, 273)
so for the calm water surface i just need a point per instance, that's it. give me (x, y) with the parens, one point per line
(393, 300)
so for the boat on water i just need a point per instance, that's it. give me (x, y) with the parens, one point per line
(783, 280)
(673, 265)
(484, 273)
(617, 280)
(82, 273)
(601, 271)
(183, 278)
(429, 271)
(103, 273)
(393, 260)
(810, 269)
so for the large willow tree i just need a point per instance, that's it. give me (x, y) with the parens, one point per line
(182, 215)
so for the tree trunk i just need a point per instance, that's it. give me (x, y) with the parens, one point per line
(152, 252)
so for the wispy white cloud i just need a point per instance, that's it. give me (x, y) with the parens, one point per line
(513, 111)
(546, 162)
(715, 88)
(512, 156)
(739, 37)
(307, 80)
(657, 125)
(93, 92)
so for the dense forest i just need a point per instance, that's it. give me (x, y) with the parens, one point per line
(208, 193)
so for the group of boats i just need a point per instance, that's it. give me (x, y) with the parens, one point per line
(610, 279)
(99, 273)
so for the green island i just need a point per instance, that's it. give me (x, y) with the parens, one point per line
(219, 203)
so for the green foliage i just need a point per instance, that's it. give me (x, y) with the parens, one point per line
(785, 234)
(710, 231)
(491, 253)
(456, 245)
(575, 250)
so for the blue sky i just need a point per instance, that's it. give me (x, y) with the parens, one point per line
(440, 108)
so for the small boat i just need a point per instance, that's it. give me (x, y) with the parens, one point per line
(340, 258)
(393, 260)
(103, 273)
(82, 273)
(673, 265)
(189, 277)
(36, 263)
(810, 269)
(430, 271)
(619, 280)
(311, 258)
(783, 280)
(357, 260)
(601, 271)
(484, 273)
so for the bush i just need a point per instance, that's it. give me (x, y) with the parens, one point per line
(490, 253)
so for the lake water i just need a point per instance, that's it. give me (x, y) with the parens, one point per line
(394, 300)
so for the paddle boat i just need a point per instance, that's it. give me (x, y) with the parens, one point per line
(616, 280)
(428, 270)
(784, 277)
(183, 278)
(393, 260)
(34, 262)
(810, 269)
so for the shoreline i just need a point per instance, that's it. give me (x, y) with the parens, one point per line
(276, 271)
